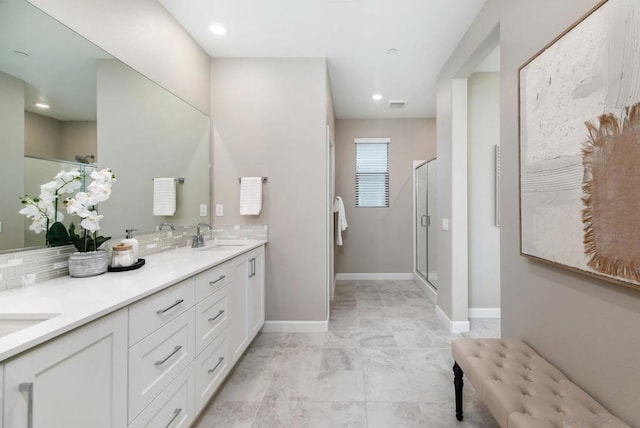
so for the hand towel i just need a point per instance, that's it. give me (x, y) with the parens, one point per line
(338, 207)
(164, 196)
(250, 195)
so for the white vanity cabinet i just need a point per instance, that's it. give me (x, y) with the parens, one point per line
(247, 301)
(188, 338)
(154, 363)
(76, 380)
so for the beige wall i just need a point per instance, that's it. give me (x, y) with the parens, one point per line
(41, 136)
(142, 34)
(54, 139)
(585, 326)
(379, 240)
(269, 119)
(78, 138)
(484, 235)
(11, 165)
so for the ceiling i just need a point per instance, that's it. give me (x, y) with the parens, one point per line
(354, 36)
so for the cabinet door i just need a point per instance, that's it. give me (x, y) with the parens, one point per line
(173, 407)
(255, 293)
(238, 337)
(76, 380)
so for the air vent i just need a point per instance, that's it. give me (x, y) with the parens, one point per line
(397, 103)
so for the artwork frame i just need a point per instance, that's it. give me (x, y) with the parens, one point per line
(578, 126)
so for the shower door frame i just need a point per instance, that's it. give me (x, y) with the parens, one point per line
(429, 288)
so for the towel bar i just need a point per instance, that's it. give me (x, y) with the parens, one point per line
(177, 180)
(264, 179)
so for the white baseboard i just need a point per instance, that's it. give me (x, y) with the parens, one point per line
(484, 312)
(295, 327)
(452, 326)
(374, 276)
(431, 292)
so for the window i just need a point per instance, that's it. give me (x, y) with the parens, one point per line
(372, 172)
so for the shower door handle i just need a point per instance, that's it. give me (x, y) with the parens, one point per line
(425, 220)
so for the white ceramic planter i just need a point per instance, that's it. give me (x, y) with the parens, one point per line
(91, 263)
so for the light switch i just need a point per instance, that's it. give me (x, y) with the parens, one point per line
(445, 224)
(219, 210)
(203, 210)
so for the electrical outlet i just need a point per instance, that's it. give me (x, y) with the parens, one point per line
(219, 210)
(445, 224)
(203, 210)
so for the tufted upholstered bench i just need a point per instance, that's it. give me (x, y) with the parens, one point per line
(521, 389)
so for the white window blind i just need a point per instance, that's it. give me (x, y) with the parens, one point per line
(372, 172)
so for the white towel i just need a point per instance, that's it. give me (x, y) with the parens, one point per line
(250, 195)
(338, 207)
(164, 196)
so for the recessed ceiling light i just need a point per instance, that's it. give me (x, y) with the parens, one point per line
(376, 97)
(218, 29)
(392, 51)
(43, 106)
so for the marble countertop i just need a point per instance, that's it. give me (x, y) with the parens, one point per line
(78, 301)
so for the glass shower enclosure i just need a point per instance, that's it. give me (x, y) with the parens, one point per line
(425, 222)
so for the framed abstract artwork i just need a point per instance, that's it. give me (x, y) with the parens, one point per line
(579, 124)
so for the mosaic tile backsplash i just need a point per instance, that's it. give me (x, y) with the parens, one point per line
(32, 266)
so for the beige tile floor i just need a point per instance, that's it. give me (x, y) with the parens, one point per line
(385, 363)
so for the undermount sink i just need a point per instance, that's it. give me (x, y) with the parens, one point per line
(10, 323)
(224, 245)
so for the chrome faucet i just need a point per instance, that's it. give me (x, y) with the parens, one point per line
(169, 225)
(198, 240)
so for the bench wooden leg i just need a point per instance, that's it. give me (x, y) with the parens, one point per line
(458, 383)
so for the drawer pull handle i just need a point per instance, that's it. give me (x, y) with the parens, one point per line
(220, 360)
(212, 319)
(176, 412)
(218, 280)
(28, 388)
(176, 303)
(164, 360)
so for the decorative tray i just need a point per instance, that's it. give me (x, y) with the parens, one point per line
(136, 265)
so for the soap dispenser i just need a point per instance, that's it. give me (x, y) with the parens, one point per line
(130, 240)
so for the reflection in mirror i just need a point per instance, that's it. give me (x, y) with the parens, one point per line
(100, 112)
(39, 171)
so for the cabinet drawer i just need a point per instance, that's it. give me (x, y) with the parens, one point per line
(212, 365)
(212, 280)
(212, 316)
(156, 360)
(151, 313)
(174, 407)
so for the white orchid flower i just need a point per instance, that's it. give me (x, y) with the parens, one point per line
(99, 192)
(49, 188)
(92, 222)
(78, 205)
(104, 176)
(30, 211)
(39, 224)
(42, 211)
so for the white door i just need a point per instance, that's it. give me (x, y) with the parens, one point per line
(255, 293)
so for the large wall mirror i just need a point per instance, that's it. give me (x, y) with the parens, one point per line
(101, 114)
